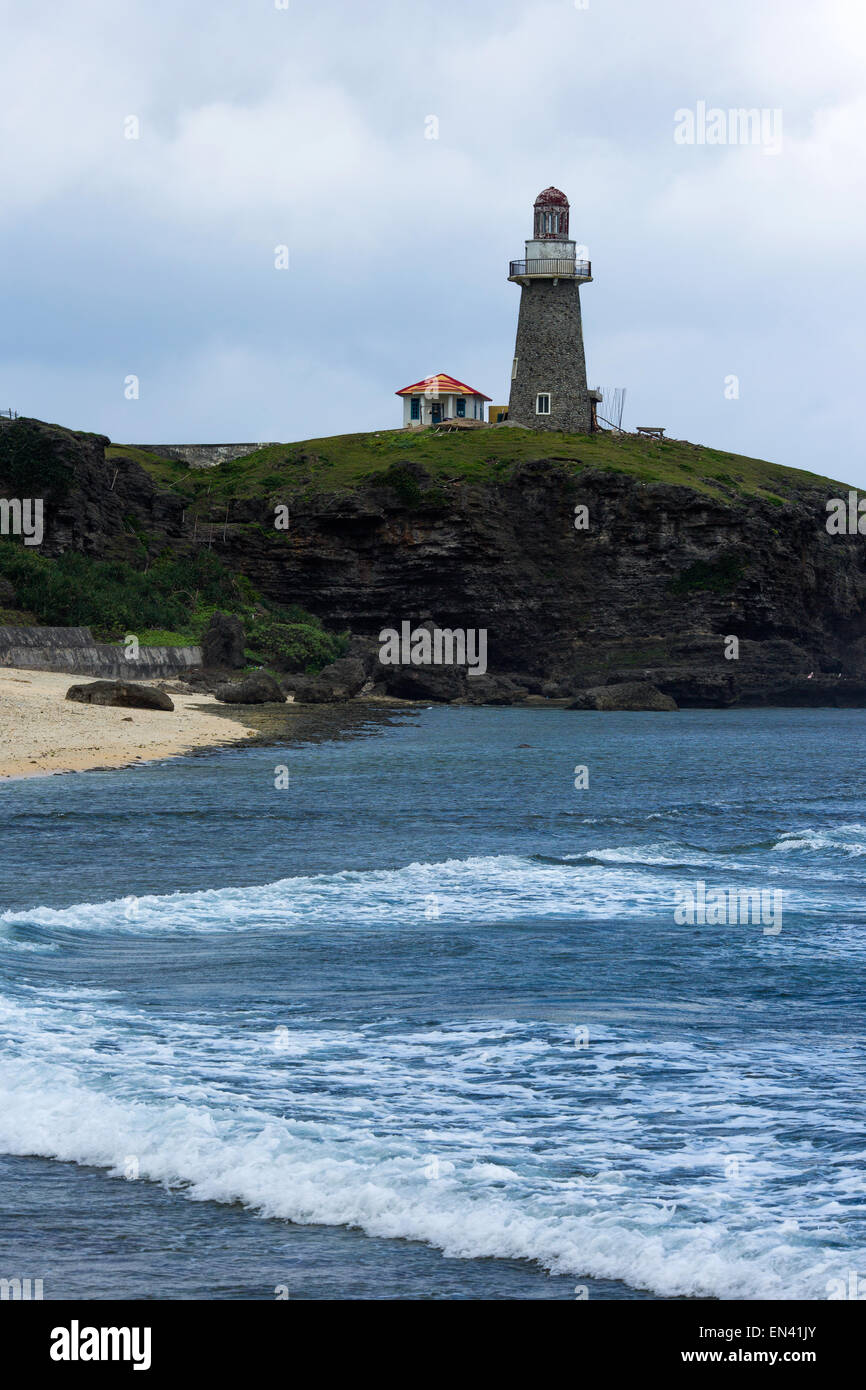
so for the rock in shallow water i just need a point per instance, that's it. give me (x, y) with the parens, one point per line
(629, 695)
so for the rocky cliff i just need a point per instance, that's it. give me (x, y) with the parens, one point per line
(91, 504)
(648, 584)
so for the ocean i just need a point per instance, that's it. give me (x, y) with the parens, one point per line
(411, 1015)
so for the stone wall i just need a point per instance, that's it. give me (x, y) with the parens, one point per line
(73, 650)
(38, 637)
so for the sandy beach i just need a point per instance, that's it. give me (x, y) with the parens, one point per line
(43, 732)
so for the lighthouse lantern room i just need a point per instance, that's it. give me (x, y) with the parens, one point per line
(548, 376)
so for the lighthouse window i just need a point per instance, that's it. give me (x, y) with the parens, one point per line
(542, 404)
(415, 408)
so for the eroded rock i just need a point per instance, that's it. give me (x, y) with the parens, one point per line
(256, 689)
(223, 642)
(125, 694)
(629, 695)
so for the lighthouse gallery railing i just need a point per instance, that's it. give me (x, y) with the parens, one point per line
(561, 269)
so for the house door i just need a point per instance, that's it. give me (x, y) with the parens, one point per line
(436, 412)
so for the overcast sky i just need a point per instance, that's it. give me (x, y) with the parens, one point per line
(308, 127)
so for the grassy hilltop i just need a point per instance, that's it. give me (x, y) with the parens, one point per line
(346, 460)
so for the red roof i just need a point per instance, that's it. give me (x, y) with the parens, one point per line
(551, 195)
(445, 385)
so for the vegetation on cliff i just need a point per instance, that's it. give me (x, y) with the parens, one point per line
(169, 603)
(345, 461)
(31, 464)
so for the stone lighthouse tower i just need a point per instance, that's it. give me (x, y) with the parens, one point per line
(548, 377)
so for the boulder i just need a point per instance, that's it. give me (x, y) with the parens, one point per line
(345, 677)
(628, 695)
(258, 688)
(342, 680)
(546, 702)
(365, 650)
(425, 682)
(307, 690)
(223, 642)
(125, 694)
(494, 690)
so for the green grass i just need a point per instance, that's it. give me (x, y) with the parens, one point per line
(160, 637)
(344, 461)
(172, 474)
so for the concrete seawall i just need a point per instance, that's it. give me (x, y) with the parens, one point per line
(201, 455)
(73, 650)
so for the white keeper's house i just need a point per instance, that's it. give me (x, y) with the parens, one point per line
(438, 398)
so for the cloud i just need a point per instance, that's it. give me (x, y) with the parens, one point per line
(307, 127)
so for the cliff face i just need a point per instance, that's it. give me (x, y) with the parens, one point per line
(90, 503)
(650, 590)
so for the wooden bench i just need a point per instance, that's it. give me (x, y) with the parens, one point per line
(651, 431)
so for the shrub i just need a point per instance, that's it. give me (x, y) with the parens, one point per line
(29, 461)
(295, 646)
(111, 596)
(402, 481)
(717, 576)
(169, 604)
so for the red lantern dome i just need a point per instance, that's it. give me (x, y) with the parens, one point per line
(551, 216)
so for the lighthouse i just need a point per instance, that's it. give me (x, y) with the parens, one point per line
(548, 376)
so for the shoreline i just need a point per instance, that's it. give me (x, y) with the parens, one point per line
(44, 734)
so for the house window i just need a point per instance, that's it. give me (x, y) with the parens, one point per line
(542, 404)
(415, 408)
(461, 407)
